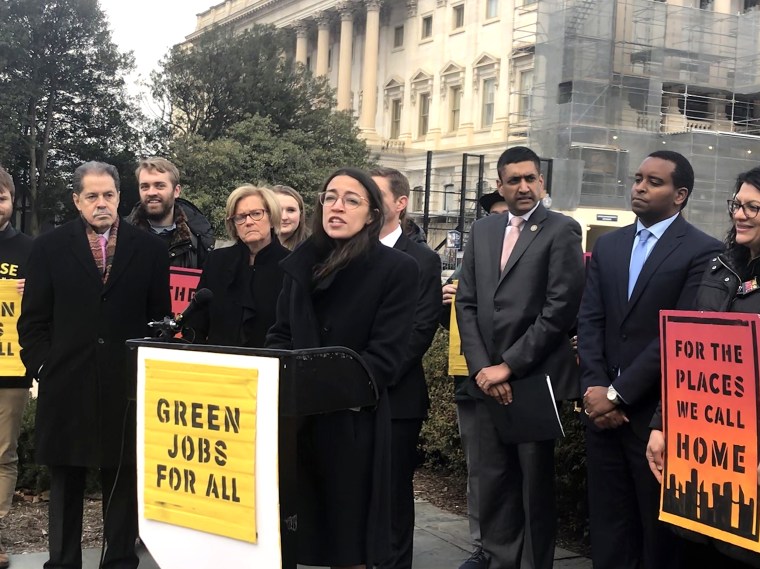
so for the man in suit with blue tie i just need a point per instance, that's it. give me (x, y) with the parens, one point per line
(634, 272)
(518, 298)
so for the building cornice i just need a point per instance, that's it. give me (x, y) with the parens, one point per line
(256, 11)
(232, 18)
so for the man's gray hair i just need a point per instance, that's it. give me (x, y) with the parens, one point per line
(97, 168)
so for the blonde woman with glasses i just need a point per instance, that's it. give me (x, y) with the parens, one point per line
(245, 278)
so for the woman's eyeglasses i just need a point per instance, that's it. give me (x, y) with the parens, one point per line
(254, 214)
(750, 209)
(350, 201)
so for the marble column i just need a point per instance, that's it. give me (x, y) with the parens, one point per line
(302, 42)
(323, 44)
(344, 63)
(722, 6)
(369, 70)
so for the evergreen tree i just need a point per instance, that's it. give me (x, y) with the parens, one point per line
(237, 110)
(62, 99)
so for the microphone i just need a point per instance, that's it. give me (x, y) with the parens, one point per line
(170, 326)
(201, 299)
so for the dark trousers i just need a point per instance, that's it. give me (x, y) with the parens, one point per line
(119, 517)
(624, 499)
(518, 510)
(468, 433)
(404, 436)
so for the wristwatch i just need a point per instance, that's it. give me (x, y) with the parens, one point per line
(613, 396)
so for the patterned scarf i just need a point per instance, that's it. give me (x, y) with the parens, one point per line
(97, 253)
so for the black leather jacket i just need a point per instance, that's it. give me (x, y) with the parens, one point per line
(719, 289)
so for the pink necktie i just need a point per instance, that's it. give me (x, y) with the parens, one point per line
(510, 239)
(103, 242)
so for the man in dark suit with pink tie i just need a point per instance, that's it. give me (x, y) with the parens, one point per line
(518, 298)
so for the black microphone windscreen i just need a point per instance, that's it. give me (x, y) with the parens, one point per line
(203, 297)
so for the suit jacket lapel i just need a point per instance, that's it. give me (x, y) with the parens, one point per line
(123, 253)
(495, 245)
(80, 248)
(623, 263)
(401, 243)
(527, 235)
(235, 285)
(662, 249)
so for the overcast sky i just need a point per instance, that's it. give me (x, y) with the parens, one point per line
(150, 27)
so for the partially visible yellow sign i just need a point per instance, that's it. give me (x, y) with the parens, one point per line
(200, 447)
(10, 310)
(457, 363)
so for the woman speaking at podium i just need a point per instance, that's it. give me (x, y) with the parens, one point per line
(343, 288)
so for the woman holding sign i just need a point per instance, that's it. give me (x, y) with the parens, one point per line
(730, 284)
(246, 278)
(343, 288)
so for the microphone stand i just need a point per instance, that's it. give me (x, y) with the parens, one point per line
(167, 328)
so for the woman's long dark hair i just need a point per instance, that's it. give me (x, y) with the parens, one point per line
(341, 252)
(739, 254)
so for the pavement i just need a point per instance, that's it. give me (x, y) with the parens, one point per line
(441, 541)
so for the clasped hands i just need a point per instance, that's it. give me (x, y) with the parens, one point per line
(603, 412)
(493, 381)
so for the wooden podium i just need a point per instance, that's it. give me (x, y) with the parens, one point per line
(217, 446)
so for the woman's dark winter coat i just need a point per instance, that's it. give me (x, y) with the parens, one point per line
(344, 457)
(245, 296)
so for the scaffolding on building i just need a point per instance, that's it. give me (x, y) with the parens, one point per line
(617, 79)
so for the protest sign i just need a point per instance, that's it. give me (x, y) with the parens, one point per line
(710, 388)
(182, 284)
(457, 363)
(200, 437)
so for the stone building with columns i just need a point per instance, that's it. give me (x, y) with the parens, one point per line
(592, 85)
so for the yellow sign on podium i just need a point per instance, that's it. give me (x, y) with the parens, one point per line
(200, 447)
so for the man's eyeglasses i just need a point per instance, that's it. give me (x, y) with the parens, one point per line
(350, 201)
(254, 214)
(750, 209)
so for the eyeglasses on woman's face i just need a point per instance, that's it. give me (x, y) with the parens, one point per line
(349, 200)
(750, 209)
(254, 214)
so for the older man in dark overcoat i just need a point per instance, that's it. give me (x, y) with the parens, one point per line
(92, 284)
